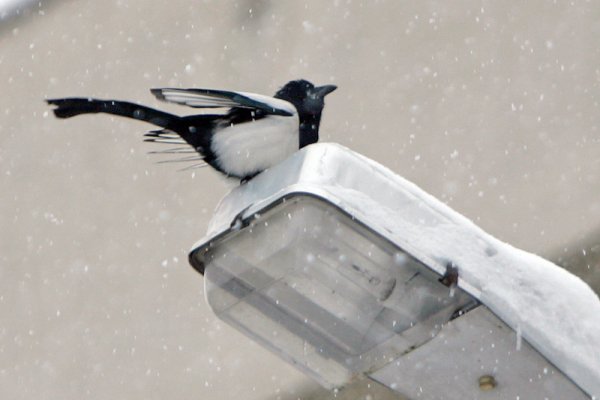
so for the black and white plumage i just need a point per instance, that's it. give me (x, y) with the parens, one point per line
(254, 133)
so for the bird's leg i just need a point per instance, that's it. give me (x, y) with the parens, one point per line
(247, 178)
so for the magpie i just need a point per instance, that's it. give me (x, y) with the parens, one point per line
(252, 133)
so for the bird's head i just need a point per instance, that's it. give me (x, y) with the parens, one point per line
(306, 97)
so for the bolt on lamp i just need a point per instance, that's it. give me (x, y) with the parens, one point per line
(345, 270)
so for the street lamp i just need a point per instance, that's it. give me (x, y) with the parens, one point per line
(346, 270)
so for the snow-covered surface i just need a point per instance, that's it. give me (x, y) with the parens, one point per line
(552, 309)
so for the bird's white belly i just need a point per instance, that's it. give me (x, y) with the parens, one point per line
(247, 148)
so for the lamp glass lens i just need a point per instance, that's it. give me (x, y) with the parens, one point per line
(325, 292)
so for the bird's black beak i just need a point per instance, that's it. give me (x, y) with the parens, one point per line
(322, 91)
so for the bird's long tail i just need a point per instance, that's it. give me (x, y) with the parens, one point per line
(176, 129)
(70, 107)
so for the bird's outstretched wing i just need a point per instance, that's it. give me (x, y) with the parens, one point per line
(209, 98)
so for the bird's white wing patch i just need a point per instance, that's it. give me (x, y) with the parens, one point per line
(208, 98)
(194, 99)
(246, 149)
